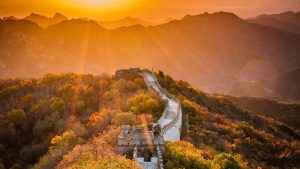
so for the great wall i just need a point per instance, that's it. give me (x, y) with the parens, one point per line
(146, 143)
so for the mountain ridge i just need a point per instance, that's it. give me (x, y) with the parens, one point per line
(286, 21)
(207, 44)
(44, 21)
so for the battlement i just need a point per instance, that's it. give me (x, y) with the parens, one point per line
(145, 144)
(140, 135)
(121, 72)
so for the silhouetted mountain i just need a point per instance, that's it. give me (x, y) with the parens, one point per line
(44, 21)
(127, 21)
(252, 89)
(287, 84)
(9, 18)
(287, 21)
(212, 51)
(283, 112)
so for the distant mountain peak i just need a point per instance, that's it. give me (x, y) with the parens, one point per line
(216, 14)
(44, 21)
(78, 23)
(187, 16)
(288, 12)
(288, 20)
(10, 18)
(222, 13)
(59, 16)
(35, 16)
(124, 22)
(129, 17)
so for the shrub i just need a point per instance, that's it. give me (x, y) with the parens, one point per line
(190, 106)
(185, 155)
(247, 128)
(228, 161)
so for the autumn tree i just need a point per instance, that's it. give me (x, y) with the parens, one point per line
(15, 115)
(98, 121)
(226, 161)
(80, 106)
(57, 105)
(185, 155)
(65, 140)
(143, 103)
(124, 118)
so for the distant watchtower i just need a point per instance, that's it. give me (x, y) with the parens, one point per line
(121, 72)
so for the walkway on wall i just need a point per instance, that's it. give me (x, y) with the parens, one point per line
(171, 119)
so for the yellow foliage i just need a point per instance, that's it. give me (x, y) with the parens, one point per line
(143, 103)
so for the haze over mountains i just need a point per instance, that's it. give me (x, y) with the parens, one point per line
(287, 21)
(216, 52)
(45, 22)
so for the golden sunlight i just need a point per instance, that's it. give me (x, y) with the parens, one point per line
(100, 4)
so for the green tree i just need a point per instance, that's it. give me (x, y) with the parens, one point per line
(228, 161)
(66, 91)
(190, 107)
(27, 101)
(42, 128)
(15, 115)
(57, 105)
(80, 106)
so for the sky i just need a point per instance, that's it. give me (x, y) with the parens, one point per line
(152, 10)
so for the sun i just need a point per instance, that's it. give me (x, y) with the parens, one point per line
(100, 4)
(95, 2)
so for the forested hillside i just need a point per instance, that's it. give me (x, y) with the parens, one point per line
(284, 112)
(73, 120)
(41, 120)
(214, 124)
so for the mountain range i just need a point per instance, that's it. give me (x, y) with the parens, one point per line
(286, 21)
(212, 51)
(127, 21)
(45, 22)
